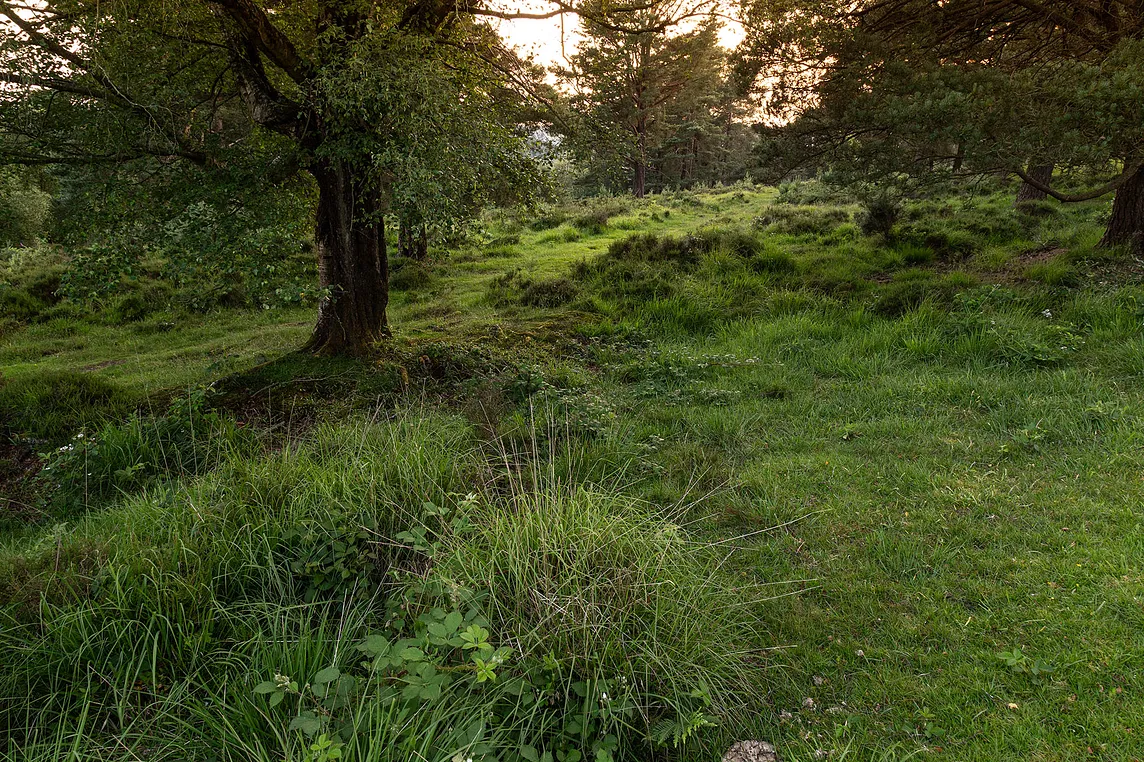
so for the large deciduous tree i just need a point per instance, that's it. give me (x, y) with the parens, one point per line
(385, 104)
(908, 86)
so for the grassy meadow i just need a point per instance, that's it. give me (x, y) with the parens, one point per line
(634, 479)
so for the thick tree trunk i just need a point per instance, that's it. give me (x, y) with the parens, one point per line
(352, 264)
(1126, 226)
(1042, 173)
(639, 180)
(639, 175)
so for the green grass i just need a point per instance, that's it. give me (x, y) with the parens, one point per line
(876, 499)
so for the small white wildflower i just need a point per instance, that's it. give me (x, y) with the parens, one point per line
(1047, 313)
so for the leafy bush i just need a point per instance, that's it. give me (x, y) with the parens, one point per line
(879, 216)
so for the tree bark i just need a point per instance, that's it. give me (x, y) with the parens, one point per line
(958, 157)
(1126, 226)
(1042, 173)
(352, 264)
(639, 174)
(412, 240)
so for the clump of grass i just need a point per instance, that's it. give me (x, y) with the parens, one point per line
(1056, 272)
(912, 289)
(54, 405)
(411, 276)
(555, 292)
(802, 220)
(121, 458)
(181, 600)
(776, 262)
(614, 587)
(514, 287)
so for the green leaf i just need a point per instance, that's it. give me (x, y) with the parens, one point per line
(530, 753)
(412, 654)
(453, 621)
(307, 722)
(327, 675)
(266, 687)
(374, 645)
(276, 699)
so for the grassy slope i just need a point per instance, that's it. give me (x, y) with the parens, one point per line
(944, 501)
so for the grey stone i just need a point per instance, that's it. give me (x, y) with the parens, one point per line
(751, 751)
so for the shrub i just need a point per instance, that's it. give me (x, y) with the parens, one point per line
(131, 308)
(879, 216)
(802, 220)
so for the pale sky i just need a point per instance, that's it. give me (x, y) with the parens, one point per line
(550, 41)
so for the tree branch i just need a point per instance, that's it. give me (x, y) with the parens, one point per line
(256, 27)
(267, 106)
(1109, 187)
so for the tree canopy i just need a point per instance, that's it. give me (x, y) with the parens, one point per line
(912, 87)
(655, 106)
(385, 105)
